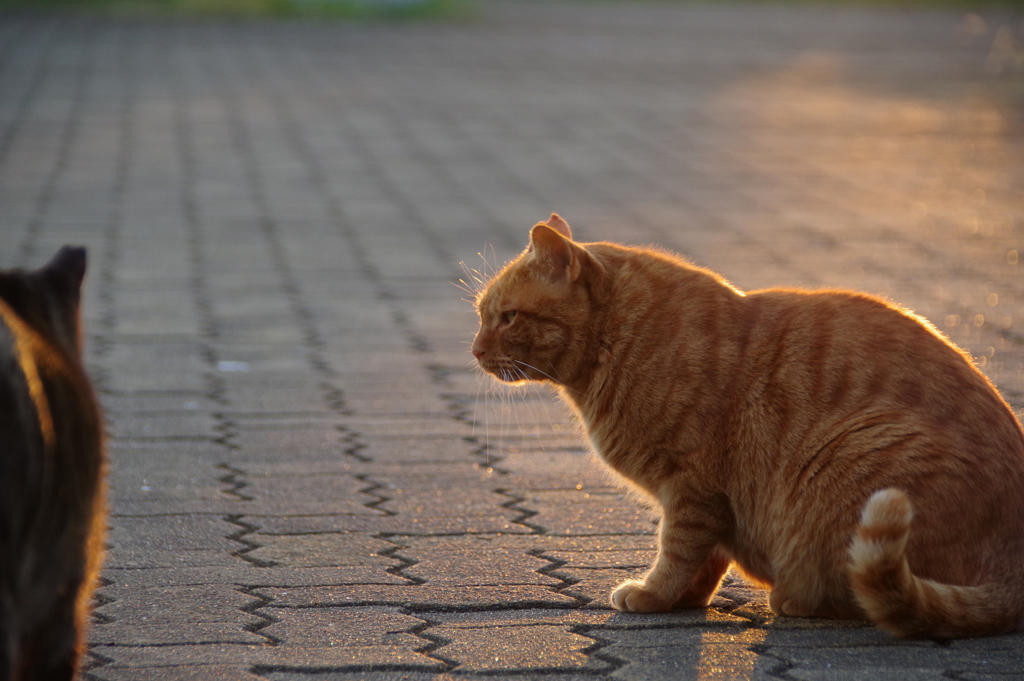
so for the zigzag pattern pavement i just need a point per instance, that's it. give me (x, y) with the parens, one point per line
(309, 480)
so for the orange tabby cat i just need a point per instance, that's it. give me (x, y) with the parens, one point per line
(839, 449)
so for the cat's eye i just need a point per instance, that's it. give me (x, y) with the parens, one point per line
(507, 317)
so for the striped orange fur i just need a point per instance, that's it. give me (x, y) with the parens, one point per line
(837, 448)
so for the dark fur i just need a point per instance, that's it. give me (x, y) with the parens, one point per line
(52, 499)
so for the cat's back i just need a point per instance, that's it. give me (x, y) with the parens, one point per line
(48, 418)
(843, 371)
(47, 406)
(837, 347)
(52, 502)
(22, 432)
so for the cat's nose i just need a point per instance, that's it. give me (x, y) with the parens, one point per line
(478, 353)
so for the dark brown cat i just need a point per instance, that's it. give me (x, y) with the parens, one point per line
(837, 448)
(52, 465)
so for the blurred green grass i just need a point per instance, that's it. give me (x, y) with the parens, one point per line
(966, 5)
(341, 9)
(416, 9)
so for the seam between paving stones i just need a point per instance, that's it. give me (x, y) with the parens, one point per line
(552, 571)
(354, 445)
(418, 343)
(68, 133)
(513, 505)
(106, 291)
(458, 406)
(931, 253)
(407, 208)
(245, 530)
(411, 142)
(441, 171)
(40, 68)
(95, 664)
(311, 335)
(434, 642)
(405, 561)
(895, 235)
(594, 651)
(372, 490)
(292, 132)
(233, 478)
(94, 660)
(254, 608)
(332, 394)
(198, 282)
(780, 670)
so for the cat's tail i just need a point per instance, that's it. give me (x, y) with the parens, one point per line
(907, 605)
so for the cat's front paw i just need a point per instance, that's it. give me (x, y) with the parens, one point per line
(633, 597)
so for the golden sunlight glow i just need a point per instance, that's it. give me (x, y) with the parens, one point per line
(725, 655)
(26, 359)
(912, 194)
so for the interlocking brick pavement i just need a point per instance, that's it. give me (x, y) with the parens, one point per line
(309, 479)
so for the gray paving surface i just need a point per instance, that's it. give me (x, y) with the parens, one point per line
(309, 479)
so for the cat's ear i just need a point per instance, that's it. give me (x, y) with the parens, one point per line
(67, 268)
(559, 225)
(555, 254)
(556, 223)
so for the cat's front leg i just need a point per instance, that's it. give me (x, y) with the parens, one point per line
(706, 582)
(687, 570)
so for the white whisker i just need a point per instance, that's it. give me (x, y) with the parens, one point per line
(530, 366)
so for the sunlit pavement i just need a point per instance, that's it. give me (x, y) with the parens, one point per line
(309, 481)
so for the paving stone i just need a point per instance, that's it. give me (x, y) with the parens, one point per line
(908, 673)
(151, 483)
(351, 676)
(595, 586)
(301, 438)
(319, 550)
(220, 672)
(172, 533)
(545, 470)
(308, 494)
(520, 617)
(584, 512)
(147, 506)
(158, 366)
(389, 450)
(537, 648)
(398, 524)
(440, 502)
(163, 427)
(473, 561)
(298, 468)
(142, 558)
(689, 653)
(621, 559)
(420, 596)
(388, 428)
(347, 628)
(173, 605)
(269, 397)
(587, 545)
(156, 402)
(281, 657)
(240, 572)
(937, 658)
(156, 634)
